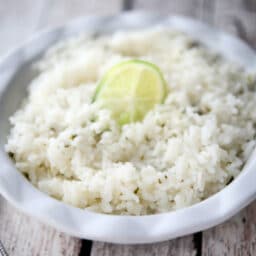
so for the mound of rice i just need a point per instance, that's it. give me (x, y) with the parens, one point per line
(183, 151)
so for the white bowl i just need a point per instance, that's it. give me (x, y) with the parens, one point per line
(15, 74)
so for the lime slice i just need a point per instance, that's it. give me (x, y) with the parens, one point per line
(130, 89)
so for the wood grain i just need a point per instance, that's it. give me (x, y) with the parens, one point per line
(59, 12)
(193, 8)
(178, 247)
(15, 26)
(22, 235)
(237, 17)
(236, 237)
(20, 19)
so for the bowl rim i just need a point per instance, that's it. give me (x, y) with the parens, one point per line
(115, 228)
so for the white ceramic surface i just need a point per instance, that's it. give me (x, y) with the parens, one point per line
(15, 74)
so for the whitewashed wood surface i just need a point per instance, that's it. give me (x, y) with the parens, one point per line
(23, 235)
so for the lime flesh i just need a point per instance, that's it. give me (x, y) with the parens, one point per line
(130, 89)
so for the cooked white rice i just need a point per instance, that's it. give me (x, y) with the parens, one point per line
(183, 151)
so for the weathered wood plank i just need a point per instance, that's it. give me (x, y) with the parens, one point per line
(15, 25)
(237, 17)
(22, 235)
(59, 12)
(19, 19)
(182, 7)
(237, 236)
(181, 246)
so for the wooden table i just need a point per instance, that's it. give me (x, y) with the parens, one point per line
(23, 235)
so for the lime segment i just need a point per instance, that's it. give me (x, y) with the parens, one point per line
(130, 89)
